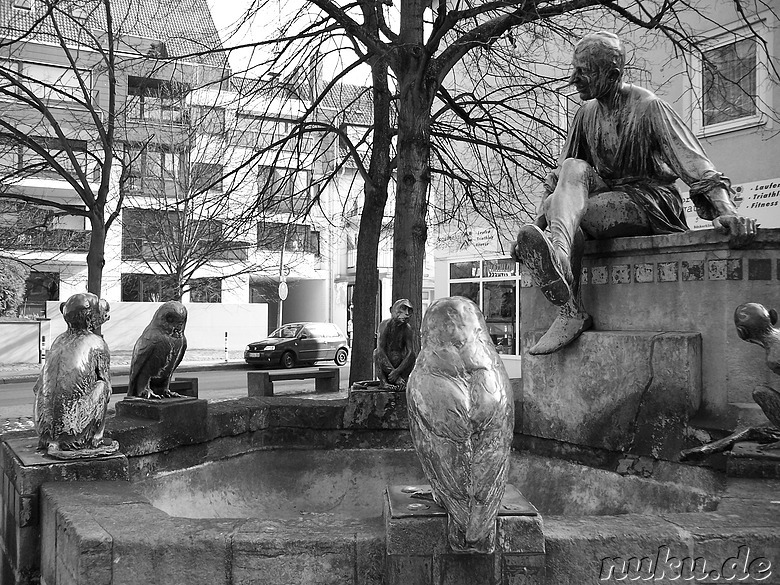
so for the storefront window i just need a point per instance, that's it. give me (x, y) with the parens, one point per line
(493, 285)
(498, 306)
(470, 290)
(464, 270)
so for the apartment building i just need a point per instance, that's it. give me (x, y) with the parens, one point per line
(208, 209)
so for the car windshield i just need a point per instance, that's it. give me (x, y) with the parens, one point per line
(287, 332)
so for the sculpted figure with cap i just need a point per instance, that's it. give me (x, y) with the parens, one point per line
(394, 356)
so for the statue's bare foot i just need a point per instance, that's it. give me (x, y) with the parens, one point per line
(770, 446)
(544, 263)
(568, 326)
(149, 395)
(167, 393)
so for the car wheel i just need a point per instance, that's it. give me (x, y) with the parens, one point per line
(288, 360)
(341, 357)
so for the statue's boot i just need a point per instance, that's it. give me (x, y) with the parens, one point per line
(548, 264)
(572, 319)
(568, 326)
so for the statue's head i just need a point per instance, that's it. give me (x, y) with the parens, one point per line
(401, 310)
(754, 322)
(171, 317)
(598, 62)
(80, 313)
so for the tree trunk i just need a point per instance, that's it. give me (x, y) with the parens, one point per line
(411, 232)
(96, 255)
(375, 199)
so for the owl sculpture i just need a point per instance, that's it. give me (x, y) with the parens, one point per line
(756, 324)
(461, 417)
(74, 387)
(158, 352)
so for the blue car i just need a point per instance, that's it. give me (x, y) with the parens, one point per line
(299, 344)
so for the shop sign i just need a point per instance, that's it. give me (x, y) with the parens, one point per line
(759, 200)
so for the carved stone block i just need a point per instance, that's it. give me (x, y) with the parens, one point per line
(622, 391)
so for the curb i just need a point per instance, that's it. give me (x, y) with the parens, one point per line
(124, 370)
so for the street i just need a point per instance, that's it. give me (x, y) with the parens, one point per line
(16, 399)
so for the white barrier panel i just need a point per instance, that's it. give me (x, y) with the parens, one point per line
(206, 324)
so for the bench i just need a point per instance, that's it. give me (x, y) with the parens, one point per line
(261, 383)
(183, 386)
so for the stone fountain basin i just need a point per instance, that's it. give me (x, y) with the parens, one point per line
(302, 516)
(289, 483)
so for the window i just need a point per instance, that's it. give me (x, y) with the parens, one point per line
(209, 120)
(279, 192)
(148, 233)
(205, 290)
(206, 177)
(50, 82)
(297, 237)
(34, 163)
(39, 288)
(20, 161)
(260, 130)
(148, 288)
(357, 135)
(150, 168)
(22, 4)
(730, 82)
(493, 286)
(155, 100)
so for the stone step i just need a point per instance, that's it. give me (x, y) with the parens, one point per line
(748, 414)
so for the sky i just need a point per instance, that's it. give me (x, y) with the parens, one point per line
(226, 15)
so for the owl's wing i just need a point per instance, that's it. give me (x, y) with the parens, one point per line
(440, 429)
(143, 351)
(181, 352)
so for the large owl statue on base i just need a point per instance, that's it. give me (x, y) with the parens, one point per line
(461, 417)
(158, 352)
(74, 387)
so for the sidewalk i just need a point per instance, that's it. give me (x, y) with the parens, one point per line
(194, 361)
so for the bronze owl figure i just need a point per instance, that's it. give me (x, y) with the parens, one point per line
(74, 387)
(461, 418)
(158, 352)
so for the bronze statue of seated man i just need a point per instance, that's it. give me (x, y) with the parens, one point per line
(615, 177)
(394, 356)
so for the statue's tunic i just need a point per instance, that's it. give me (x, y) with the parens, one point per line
(641, 150)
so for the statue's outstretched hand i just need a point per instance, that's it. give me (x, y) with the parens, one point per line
(741, 230)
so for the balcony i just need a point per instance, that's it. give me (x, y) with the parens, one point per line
(138, 249)
(51, 240)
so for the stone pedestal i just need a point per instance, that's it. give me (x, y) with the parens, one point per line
(750, 459)
(622, 391)
(373, 407)
(23, 471)
(173, 410)
(686, 282)
(417, 551)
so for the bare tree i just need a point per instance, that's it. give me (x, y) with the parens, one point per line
(198, 195)
(62, 120)
(12, 274)
(67, 119)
